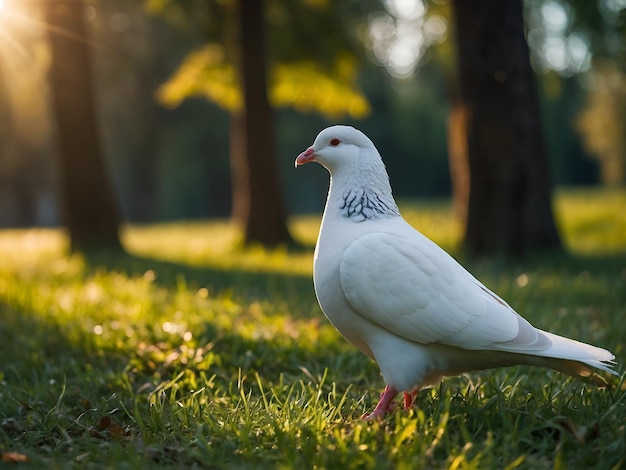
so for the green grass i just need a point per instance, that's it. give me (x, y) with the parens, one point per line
(194, 352)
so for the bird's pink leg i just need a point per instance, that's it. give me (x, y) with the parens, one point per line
(386, 398)
(409, 398)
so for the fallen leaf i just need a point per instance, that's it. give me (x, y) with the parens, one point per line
(14, 457)
(111, 427)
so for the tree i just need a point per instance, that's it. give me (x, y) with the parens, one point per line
(8, 170)
(257, 201)
(496, 137)
(245, 72)
(87, 199)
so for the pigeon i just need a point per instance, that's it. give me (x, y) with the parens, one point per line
(404, 301)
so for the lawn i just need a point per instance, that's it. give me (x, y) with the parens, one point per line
(191, 352)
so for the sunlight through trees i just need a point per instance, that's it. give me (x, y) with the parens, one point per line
(386, 66)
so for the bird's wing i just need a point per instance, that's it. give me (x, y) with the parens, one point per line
(411, 287)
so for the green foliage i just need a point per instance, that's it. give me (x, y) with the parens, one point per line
(301, 85)
(195, 352)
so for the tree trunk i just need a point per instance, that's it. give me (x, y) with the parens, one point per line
(496, 133)
(9, 156)
(87, 199)
(257, 199)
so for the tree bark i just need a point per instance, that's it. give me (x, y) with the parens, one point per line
(10, 216)
(87, 198)
(257, 198)
(498, 120)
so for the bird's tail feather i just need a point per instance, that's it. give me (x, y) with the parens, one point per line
(577, 359)
(578, 369)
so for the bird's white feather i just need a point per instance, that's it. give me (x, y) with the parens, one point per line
(413, 289)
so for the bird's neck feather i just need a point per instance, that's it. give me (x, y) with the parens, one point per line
(361, 195)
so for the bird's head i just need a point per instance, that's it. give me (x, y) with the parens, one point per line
(340, 147)
(359, 178)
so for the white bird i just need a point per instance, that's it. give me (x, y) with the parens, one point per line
(401, 299)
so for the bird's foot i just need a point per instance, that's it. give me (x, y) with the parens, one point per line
(384, 405)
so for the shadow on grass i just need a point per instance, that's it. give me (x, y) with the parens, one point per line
(46, 357)
(270, 356)
(37, 341)
(611, 263)
(246, 283)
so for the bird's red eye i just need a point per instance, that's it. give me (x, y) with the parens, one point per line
(334, 142)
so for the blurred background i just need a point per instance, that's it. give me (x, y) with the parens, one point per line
(166, 89)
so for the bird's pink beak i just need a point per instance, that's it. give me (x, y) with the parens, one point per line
(305, 157)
